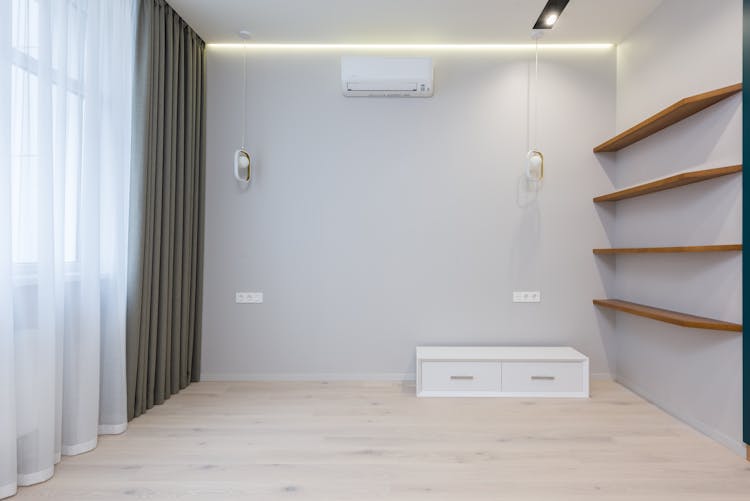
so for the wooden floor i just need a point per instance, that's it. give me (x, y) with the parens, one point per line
(363, 441)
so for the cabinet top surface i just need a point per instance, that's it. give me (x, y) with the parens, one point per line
(559, 353)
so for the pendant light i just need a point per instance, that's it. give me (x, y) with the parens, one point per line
(242, 166)
(534, 158)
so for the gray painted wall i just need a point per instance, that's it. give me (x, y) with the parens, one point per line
(683, 48)
(375, 225)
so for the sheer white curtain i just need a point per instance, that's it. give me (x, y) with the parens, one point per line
(65, 96)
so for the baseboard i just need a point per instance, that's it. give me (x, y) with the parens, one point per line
(312, 376)
(333, 376)
(723, 439)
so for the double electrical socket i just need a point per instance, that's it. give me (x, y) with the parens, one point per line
(527, 296)
(248, 297)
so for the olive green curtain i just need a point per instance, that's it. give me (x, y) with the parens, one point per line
(165, 246)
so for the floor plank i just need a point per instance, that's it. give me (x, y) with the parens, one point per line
(375, 441)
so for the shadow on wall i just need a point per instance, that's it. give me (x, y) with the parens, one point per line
(524, 261)
(608, 163)
(683, 146)
(605, 319)
(607, 211)
(689, 215)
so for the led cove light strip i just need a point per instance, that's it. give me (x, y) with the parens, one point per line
(453, 47)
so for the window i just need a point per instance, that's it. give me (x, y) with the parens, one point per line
(47, 120)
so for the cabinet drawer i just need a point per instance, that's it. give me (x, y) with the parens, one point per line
(543, 377)
(461, 376)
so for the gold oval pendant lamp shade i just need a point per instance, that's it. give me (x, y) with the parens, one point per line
(242, 166)
(534, 165)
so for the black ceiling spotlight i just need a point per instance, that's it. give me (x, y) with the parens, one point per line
(550, 14)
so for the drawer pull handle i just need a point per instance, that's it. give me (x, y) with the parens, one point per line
(543, 378)
(462, 377)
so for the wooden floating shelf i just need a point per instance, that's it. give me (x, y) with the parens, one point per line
(667, 250)
(668, 116)
(668, 316)
(668, 183)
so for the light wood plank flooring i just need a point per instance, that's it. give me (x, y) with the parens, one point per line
(373, 441)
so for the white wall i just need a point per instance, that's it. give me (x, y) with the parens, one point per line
(685, 47)
(377, 224)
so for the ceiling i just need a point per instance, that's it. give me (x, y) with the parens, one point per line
(412, 21)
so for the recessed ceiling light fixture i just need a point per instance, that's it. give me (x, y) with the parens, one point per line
(550, 14)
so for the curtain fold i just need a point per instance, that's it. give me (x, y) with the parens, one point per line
(8, 465)
(65, 102)
(165, 254)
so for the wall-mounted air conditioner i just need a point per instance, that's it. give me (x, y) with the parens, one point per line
(365, 76)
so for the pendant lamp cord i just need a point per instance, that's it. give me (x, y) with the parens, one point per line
(536, 91)
(244, 94)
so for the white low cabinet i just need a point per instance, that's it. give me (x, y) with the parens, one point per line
(495, 371)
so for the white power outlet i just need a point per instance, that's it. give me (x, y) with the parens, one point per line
(527, 296)
(248, 297)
